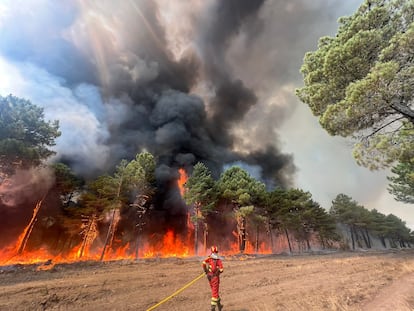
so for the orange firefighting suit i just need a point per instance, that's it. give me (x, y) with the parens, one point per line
(213, 267)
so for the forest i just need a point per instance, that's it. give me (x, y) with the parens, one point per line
(129, 212)
(161, 147)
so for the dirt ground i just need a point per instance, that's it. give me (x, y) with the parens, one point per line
(370, 281)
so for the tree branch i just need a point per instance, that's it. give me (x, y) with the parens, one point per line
(384, 126)
(404, 110)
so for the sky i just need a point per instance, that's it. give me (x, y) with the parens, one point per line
(189, 81)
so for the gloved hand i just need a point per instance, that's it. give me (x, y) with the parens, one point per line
(209, 277)
(205, 270)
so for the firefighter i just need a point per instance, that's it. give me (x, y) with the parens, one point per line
(213, 267)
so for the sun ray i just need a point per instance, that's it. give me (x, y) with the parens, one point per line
(147, 25)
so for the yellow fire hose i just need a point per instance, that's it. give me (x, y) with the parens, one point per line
(177, 292)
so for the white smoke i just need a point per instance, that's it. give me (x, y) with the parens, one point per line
(81, 113)
(25, 185)
(60, 54)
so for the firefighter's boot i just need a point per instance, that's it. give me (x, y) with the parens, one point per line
(220, 306)
(213, 308)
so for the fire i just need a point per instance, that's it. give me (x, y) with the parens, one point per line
(24, 237)
(182, 180)
(170, 246)
(167, 244)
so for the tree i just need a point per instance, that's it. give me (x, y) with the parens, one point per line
(293, 212)
(398, 233)
(275, 205)
(361, 82)
(96, 200)
(348, 212)
(244, 192)
(132, 185)
(25, 137)
(201, 193)
(142, 185)
(306, 218)
(66, 182)
(379, 226)
(402, 184)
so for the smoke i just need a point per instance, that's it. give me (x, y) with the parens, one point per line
(25, 185)
(210, 81)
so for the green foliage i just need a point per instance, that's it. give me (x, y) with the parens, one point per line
(402, 184)
(25, 137)
(130, 180)
(245, 211)
(99, 195)
(361, 82)
(237, 186)
(66, 182)
(140, 175)
(347, 211)
(245, 193)
(294, 210)
(200, 189)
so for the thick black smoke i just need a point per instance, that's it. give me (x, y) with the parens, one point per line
(148, 91)
(162, 116)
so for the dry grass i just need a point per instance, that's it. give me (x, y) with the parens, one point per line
(341, 281)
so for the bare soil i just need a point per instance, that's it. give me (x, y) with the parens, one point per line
(370, 281)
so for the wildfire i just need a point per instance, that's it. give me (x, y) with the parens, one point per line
(182, 180)
(169, 244)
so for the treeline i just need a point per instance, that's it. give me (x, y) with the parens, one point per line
(290, 212)
(123, 207)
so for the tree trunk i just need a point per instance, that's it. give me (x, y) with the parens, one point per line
(111, 229)
(271, 240)
(257, 239)
(85, 237)
(404, 110)
(108, 235)
(137, 247)
(28, 230)
(205, 236)
(368, 238)
(196, 236)
(287, 236)
(242, 235)
(352, 237)
(365, 238)
(323, 243)
(383, 241)
(308, 244)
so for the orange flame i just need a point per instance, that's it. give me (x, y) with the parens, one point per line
(170, 244)
(182, 180)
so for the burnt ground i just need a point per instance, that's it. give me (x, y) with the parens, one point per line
(336, 281)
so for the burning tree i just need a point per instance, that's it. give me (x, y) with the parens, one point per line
(201, 193)
(67, 183)
(25, 138)
(244, 192)
(142, 188)
(132, 185)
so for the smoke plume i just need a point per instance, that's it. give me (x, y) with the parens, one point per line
(205, 81)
